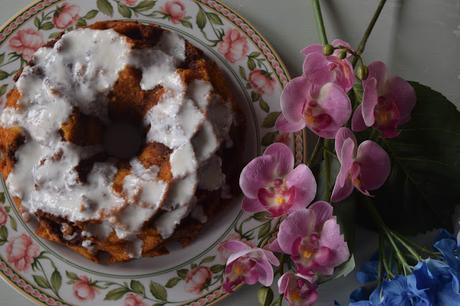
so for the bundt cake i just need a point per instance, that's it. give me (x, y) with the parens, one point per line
(117, 139)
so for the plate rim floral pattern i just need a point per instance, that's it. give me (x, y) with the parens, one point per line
(41, 296)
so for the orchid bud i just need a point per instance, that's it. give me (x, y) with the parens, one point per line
(328, 49)
(265, 296)
(362, 72)
(342, 53)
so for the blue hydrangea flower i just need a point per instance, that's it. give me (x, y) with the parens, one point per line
(439, 281)
(449, 247)
(368, 271)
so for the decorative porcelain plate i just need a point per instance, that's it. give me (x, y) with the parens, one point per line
(51, 275)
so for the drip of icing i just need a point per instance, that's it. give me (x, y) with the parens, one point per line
(183, 160)
(199, 91)
(167, 222)
(181, 192)
(205, 142)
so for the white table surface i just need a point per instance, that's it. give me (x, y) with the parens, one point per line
(418, 39)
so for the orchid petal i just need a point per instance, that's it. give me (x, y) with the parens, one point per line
(305, 185)
(272, 259)
(256, 174)
(378, 70)
(357, 121)
(404, 95)
(296, 225)
(252, 205)
(318, 48)
(293, 99)
(235, 246)
(332, 239)
(340, 137)
(343, 192)
(235, 256)
(274, 246)
(285, 126)
(323, 212)
(374, 164)
(283, 283)
(370, 100)
(343, 186)
(282, 158)
(265, 272)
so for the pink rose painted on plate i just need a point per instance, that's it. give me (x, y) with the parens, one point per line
(129, 2)
(25, 42)
(175, 9)
(21, 252)
(234, 46)
(83, 290)
(66, 15)
(3, 216)
(134, 300)
(197, 279)
(261, 81)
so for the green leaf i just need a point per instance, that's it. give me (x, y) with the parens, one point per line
(2, 197)
(251, 64)
(255, 96)
(2, 57)
(160, 304)
(37, 23)
(264, 230)
(158, 291)
(217, 268)
(13, 224)
(91, 14)
(207, 259)
(186, 23)
(270, 120)
(81, 22)
(3, 233)
(242, 72)
(124, 10)
(423, 188)
(264, 106)
(182, 273)
(47, 26)
(54, 35)
(145, 5)
(344, 269)
(71, 275)
(3, 89)
(201, 19)
(268, 138)
(41, 281)
(137, 287)
(214, 18)
(3, 75)
(172, 282)
(56, 280)
(116, 294)
(105, 7)
(265, 296)
(254, 54)
(262, 216)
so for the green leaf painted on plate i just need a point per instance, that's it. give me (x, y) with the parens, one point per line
(124, 10)
(91, 14)
(37, 23)
(242, 72)
(81, 22)
(2, 57)
(262, 216)
(47, 26)
(137, 287)
(158, 291)
(182, 273)
(116, 294)
(186, 23)
(2, 197)
(268, 138)
(264, 105)
(217, 268)
(270, 120)
(423, 188)
(54, 35)
(105, 7)
(172, 282)
(3, 75)
(251, 63)
(201, 19)
(56, 280)
(3, 89)
(3, 233)
(254, 96)
(264, 230)
(207, 259)
(13, 224)
(71, 275)
(254, 54)
(214, 18)
(41, 281)
(145, 5)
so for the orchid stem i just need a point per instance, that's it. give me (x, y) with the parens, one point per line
(315, 152)
(319, 21)
(370, 27)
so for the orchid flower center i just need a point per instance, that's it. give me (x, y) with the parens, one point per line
(315, 117)
(277, 197)
(308, 247)
(386, 113)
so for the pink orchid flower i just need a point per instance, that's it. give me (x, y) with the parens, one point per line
(270, 182)
(314, 100)
(366, 167)
(341, 69)
(312, 238)
(297, 290)
(248, 265)
(387, 102)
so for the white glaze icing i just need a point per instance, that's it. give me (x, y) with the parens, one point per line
(78, 72)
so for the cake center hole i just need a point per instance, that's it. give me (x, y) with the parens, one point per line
(122, 140)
